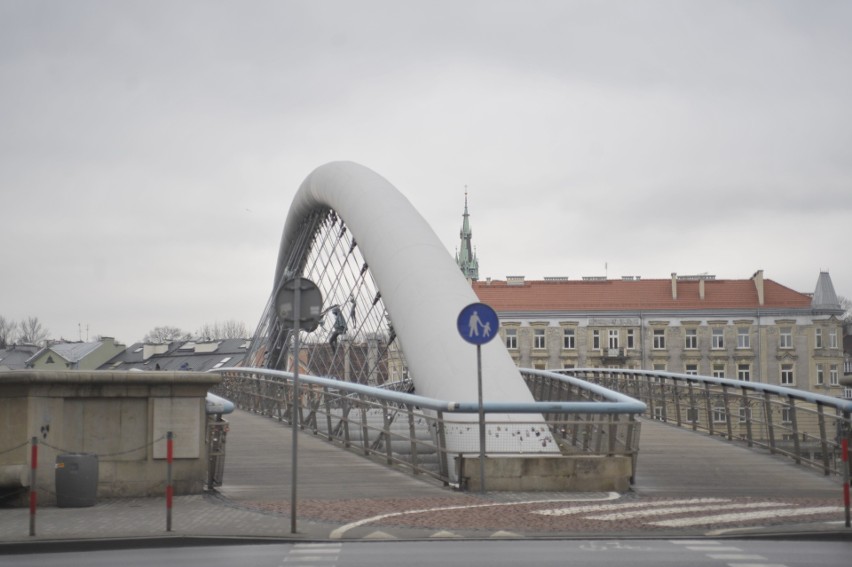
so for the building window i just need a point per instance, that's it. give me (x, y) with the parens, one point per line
(786, 339)
(658, 414)
(538, 339)
(511, 338)
(818, 338)
(631, 340)
(659, 339)
(613, 338)
(719, 414)
(596, 340)
(692, 414)
(745, 415)
(832, 338)
(691, 339)
(718, 339)
(743, 337)
(49, 360)
(847, 393)
(568, 339)
(718, 371)
(786, 374)
(744, 372)
(692, 369)
(786, 415)
(832, 375)
(820, 379)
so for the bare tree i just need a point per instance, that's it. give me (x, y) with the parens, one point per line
(230, 329)
(31, 331)
(8, 328)
(846, 304)
(165, 334)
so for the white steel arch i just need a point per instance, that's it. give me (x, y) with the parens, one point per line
(420, 284)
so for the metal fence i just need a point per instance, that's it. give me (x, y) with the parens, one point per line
(410, 431)
(804, 426)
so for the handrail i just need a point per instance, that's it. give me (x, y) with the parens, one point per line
(616, 402)
(425, 435)
(804, 395)
(805, 426)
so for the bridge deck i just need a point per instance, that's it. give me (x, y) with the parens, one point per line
(672, 462)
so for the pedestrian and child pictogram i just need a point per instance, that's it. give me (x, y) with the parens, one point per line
(477, 323)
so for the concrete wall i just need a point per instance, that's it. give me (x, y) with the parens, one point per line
(122, 417)
(574, 473)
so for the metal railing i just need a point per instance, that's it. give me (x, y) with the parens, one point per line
(411, 431)
(804, 426)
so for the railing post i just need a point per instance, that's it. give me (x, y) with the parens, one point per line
(662, 380)
(770, 426)
(709, 404)
(693, 406)
(365, 432)
(676, 396)
(443, 458)
(386, 422)
(795, 425)
(747, 405)
(823, 441)
(727, 405)
(412, 436)
(327, 405)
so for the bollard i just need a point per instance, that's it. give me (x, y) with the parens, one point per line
(33, 468)
(845, 457)
(169, 488)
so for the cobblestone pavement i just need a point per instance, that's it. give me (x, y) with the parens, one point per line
(344, 496)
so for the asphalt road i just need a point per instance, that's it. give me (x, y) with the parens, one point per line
(542, 553)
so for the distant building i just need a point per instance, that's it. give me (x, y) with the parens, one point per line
(199, 356)
(466, 254)
(75, 355)
(753, 329)
(15, 357)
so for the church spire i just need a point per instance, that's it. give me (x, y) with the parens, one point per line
(466, 255)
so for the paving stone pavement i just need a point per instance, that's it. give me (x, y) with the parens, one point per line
(341, 495)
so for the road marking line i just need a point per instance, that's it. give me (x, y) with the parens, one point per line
(339, 532)
(626, 505)
(729, 518)
(712, 548)
(683, 509)
(693, 542)
(737, 556)
(756, 565)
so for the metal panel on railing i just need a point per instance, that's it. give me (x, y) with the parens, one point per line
(411, 431)
(804, 426)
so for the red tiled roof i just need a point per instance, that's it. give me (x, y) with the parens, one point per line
(619, 295)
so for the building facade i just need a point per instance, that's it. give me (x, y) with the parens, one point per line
(752, 329)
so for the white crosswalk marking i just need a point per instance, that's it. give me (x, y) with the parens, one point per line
(731, 518)
(312, 554)
(700, 511)
(682, 509)
(736, 556)
(625, 506)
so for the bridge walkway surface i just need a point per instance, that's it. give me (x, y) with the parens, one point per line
(688, 485)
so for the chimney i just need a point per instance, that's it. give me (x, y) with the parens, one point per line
(674, 285)
(701, 289)
(758, 284)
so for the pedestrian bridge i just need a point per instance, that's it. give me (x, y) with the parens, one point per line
(386, 373)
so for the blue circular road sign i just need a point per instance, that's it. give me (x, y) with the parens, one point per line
(478, 323)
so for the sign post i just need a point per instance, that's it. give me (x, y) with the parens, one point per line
(477, 324)
(298, 304)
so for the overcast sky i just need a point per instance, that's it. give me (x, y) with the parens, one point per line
(149, 150)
